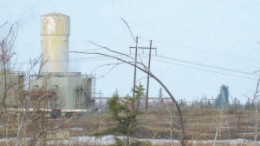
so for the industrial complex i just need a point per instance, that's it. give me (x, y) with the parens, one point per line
(66, 90)
(54, 87)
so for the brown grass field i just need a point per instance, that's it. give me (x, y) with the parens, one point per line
(160, 122)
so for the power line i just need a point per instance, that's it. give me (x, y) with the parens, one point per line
(200, 50)
(96, 58)
(203, 69)
(206, 65)
(181, 63)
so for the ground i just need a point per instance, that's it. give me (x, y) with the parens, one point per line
(202, 123)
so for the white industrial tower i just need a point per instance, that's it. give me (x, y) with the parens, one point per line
(63, 90)
(55, 31)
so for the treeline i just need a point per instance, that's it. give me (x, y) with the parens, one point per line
(249, 105)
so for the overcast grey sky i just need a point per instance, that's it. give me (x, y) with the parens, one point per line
(193, 38)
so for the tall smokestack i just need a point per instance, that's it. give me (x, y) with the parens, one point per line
(55, 31)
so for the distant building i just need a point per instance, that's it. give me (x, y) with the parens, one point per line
(222, 99)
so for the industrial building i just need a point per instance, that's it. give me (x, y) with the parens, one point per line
(55, 87)
(11, 88)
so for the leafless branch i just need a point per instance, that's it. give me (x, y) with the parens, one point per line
(6, 54)
(114, 65)
(132, 35)
(3, 24)
(154, 77)
(111, 50)
(256, 110)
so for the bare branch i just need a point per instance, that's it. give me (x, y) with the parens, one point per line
(256, 90)
(3, 24)
(129, 29)
(154, 77)
(111, 50)
(113, 67)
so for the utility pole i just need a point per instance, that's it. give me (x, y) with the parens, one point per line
(136, 47)
(148, 74)
(160, 96)
(148, 71)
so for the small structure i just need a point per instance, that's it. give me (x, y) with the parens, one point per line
(223, 98)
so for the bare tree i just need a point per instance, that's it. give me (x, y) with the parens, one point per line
(21, 122)
(6, 54)
(256, 95)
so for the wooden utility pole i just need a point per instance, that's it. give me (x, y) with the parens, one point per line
(148, 72)
(136, 48)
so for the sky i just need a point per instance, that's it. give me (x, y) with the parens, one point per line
(201, 45)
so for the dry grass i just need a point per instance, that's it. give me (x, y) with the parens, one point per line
(200, 124)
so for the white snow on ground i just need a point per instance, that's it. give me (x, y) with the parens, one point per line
(110, 139)
(103, 140)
